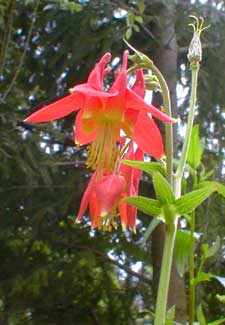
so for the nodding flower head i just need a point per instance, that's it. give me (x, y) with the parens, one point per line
(195, 47)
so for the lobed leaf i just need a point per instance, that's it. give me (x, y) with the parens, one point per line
(200, 316)
(148, 167)
(163, 190)
(195, 150)
(192, 200)
(182, 250)
(146, 205)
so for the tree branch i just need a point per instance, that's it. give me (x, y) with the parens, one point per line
(108, 259)
(23, 54)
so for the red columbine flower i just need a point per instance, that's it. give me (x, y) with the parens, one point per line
(104, 113)
(104, 196)
(132, 177)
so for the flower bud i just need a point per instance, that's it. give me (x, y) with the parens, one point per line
(195, 47)
(152, 82)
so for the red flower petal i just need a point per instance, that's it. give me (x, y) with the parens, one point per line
(136, 102)
(81, 136)
(58, 109)
(147, 136)
(139, 85)
(97, 74)
(108, 192)
(120, 82)
(94, 210)
(86, 197)
(89, 91)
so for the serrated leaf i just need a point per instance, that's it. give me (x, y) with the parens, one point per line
(200, 316)
(182, 249)
(146, 205)
(148, 167)
(195, 149)
(192, 200)
(153, 224)
(220, 279)
(163, 190)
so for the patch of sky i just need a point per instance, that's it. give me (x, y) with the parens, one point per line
(136, 267)
(38, 52)
(119, 13)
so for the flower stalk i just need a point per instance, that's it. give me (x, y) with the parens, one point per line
(194, 56)
(162, 295)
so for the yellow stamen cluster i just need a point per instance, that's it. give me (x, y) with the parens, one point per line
(108, 221)
(102, 152)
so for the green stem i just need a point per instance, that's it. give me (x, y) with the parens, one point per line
(191, 272)
(148, 64)
(161, 302)
(168, 126)
(183, 158)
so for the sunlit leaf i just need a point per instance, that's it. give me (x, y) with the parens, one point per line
(200, 316)
(195, 149)
(163, 190)
(146, 205)
(192, 200)
(148, 167)
(182, 250)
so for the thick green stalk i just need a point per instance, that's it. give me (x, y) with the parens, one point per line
(183, 158)
(161, 302)
(191, 272)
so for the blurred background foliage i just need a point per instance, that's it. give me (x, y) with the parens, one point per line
(52, 270)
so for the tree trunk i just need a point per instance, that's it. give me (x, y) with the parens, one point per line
(163, 51)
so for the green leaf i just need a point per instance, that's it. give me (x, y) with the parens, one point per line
(195, 149)
(221, 298)
(148, 167)
(146, 205)
(130, 18)
(192, 200)
(217, 322)
(128, 33)
(214, 248)
(182, 249)
(141, 6)
(153, 224)
(139, 19)
(163, 190)
(220, 188)
(200, 316)
(202, 277)
(170, 314)
(136, 28)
